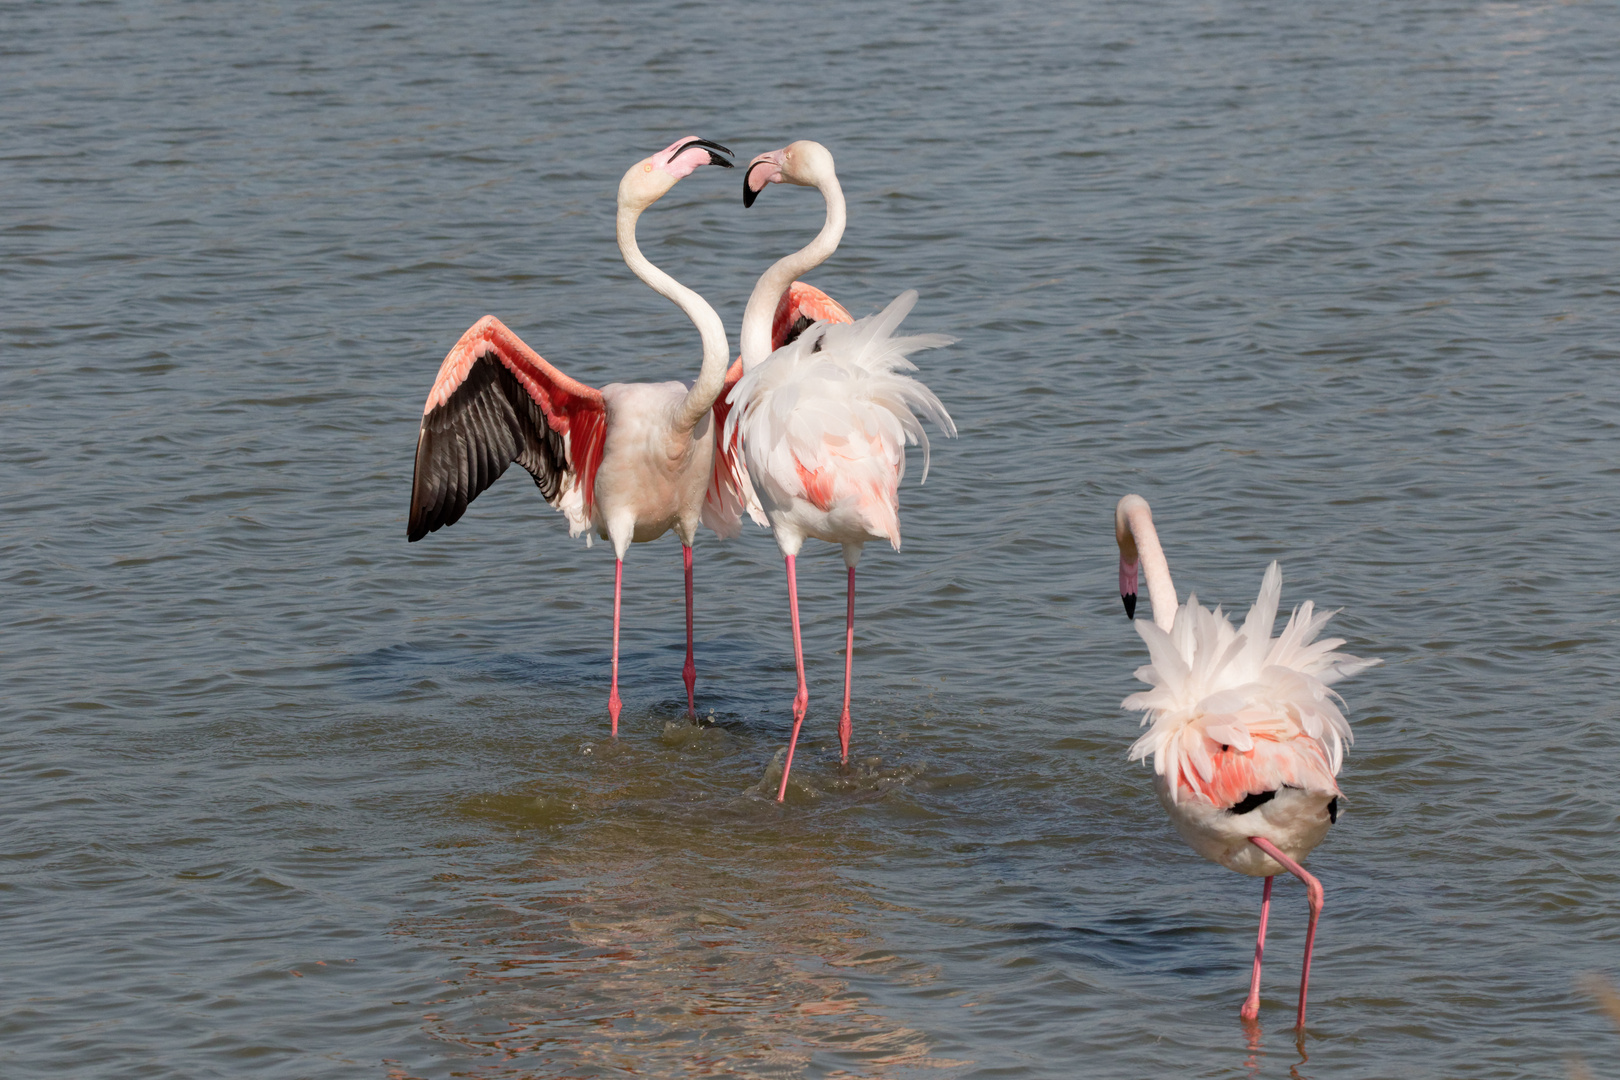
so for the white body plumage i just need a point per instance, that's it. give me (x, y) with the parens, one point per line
(825, 422)
(1244, 732)
(1295, 820)
(654, 476)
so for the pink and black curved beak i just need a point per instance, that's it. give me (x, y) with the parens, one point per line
(1127, 584)
(714, 158)
(749, 194)
(770, 161)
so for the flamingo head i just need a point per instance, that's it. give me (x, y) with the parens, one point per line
(1130, 562)
(805, 163)
(648, 179)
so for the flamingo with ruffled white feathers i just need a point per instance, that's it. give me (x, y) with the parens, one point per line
(824, 421)
(630, 461)
(1244, 730)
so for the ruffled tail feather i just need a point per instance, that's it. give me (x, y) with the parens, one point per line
(834, 408)
(1214, 689)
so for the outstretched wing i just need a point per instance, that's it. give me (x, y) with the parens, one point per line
(729, 488)
(494, 402)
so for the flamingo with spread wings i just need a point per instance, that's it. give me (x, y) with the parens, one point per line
(822, 422)
(1244, 734)
(630, 461)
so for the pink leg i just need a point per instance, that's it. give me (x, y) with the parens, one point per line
(849, 663)
(1313, 894)
(613, 694)
(801, 700)
(1251, 1007)
(689, 672)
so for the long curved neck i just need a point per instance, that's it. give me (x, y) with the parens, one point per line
(761, 310)
(1135, 525)
(711, 379)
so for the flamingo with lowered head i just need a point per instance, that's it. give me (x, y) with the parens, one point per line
(824, 420)
(1245, 737)
(630, 461)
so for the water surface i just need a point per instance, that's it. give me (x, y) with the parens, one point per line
(285, 796)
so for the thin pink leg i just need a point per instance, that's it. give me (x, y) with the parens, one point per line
(801, 700)
(689, 672)
(613, 694)
(1251, 1007)
(1313, 895)
(849, 664)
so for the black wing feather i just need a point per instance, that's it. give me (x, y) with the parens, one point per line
(800, 325)
(489, 422)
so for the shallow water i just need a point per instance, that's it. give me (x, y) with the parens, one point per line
(286, 796)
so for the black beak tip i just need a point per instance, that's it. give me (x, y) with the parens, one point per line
(749, 194)
(710, 146)
(1130, 604)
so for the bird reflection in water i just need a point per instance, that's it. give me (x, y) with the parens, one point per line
(632, 949)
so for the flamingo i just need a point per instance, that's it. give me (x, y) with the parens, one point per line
(631, 460)
(824, 420)
(1245, 736)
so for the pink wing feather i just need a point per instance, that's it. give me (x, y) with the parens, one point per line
(497, 401)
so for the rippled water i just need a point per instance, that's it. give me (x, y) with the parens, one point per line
(285, 796)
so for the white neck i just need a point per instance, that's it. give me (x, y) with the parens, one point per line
(1134, 522)
(711, 379)
(761, 310)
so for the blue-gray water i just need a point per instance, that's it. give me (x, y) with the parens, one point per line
(284, 796)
